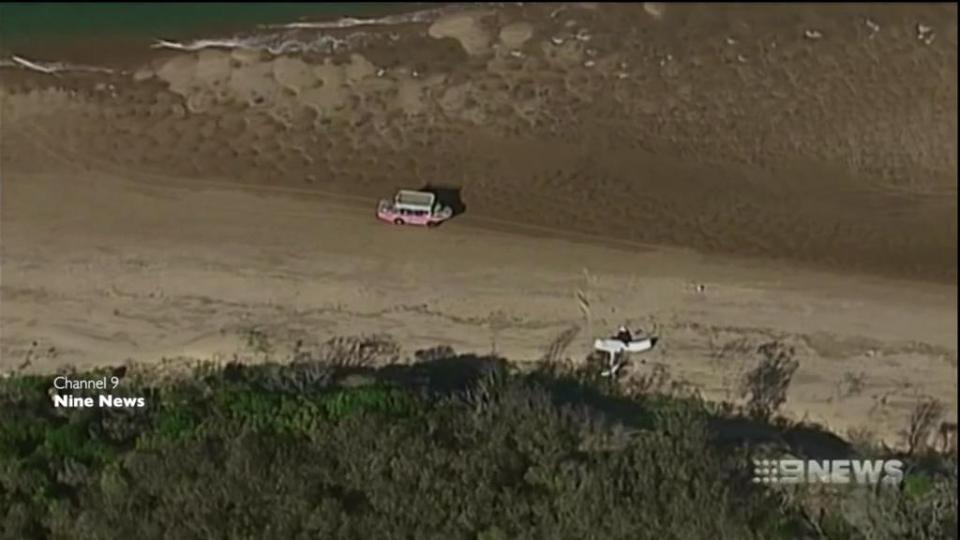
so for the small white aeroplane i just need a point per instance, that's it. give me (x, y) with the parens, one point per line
(616, 346)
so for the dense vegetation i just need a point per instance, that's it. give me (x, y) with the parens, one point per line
(449, 447)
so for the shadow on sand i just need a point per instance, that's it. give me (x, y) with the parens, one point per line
(443, 372)
(447, 196)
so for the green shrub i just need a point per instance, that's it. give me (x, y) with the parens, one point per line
(282, 452)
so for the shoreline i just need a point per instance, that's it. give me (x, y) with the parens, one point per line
(127, 48)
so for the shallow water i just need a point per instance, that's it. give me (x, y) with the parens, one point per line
(79, 32)
(22, 22)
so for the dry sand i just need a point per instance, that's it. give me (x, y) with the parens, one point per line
(808, 182)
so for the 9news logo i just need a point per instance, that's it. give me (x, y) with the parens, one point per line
(834, 471)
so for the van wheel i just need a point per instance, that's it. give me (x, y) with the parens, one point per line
(398, 221)
(432, 223)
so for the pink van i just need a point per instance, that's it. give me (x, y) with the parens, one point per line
(413, 208)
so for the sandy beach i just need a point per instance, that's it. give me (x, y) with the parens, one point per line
(798, 162)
